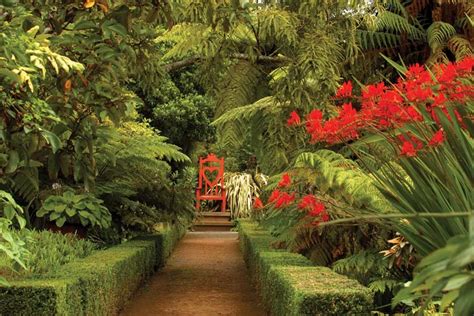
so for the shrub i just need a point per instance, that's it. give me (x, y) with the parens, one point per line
(96, 285)
(289, 285)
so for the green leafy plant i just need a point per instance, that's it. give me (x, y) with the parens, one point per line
(69, 207)
(10, 210)
(446, 275)
(12, 251)
(12, 248)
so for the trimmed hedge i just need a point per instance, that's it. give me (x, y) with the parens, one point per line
(290, 285)
(99, 284)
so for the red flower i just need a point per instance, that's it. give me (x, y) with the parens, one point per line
(372, 91)
(437, 138)
(415, 71)
(307, 201)
(419, 94)
(345, 90)
(416, 142)
(317, 209)
(408, 149)
(467, 64)
(257, 204)
(439, 100)
(285, 181)
(294, 119)
(414, 114)
(448, 74)
(284, 199)
(274, 196)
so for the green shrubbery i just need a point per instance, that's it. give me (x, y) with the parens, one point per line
(290, 285)
(99, 284)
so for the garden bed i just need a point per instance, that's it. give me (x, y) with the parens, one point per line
(99, 284)
(290, 285)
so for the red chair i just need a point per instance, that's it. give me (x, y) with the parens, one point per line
(211, 181)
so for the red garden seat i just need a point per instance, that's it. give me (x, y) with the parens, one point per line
(211, 181)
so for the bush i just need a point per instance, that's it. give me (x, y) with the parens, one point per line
(96, 285)
(290, 285)
(47, 251)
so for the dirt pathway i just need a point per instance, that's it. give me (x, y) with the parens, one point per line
(205, 275)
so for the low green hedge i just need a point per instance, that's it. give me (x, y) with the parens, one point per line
(290, 285)
(99, 284)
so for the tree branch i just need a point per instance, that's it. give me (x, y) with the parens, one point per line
(194, 59)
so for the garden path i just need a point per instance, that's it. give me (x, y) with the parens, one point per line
(205, 275)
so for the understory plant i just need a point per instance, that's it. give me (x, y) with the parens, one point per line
(45, 252)
(12, 248)
(12, 251)
(84, 209)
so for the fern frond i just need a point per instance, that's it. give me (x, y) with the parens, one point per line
(437, 57)
(383, 285)
(191, 39)
(389, 21)
(264, 106)
(438, 34)
(460, 47)
(25, 183)
(375, 40)
(343, 179)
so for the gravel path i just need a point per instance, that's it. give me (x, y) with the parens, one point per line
(205, 275)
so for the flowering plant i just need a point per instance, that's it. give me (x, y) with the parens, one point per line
(425, 123)
(419, 96)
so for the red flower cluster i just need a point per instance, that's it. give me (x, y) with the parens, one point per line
(385, 107)
(281, 199)
(345, 90)
(274, 196)
(294, 119)
(437, 138)
(285, 181)
(316, 208)
(410, 146)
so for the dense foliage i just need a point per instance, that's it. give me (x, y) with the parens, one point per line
(72, 149)
(102, 103)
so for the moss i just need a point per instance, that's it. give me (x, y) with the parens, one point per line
(290, 285)
(99, 284)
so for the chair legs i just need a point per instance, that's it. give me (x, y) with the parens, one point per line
(223, 205)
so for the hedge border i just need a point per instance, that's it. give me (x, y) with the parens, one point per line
(99, 284)
(289, 284)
